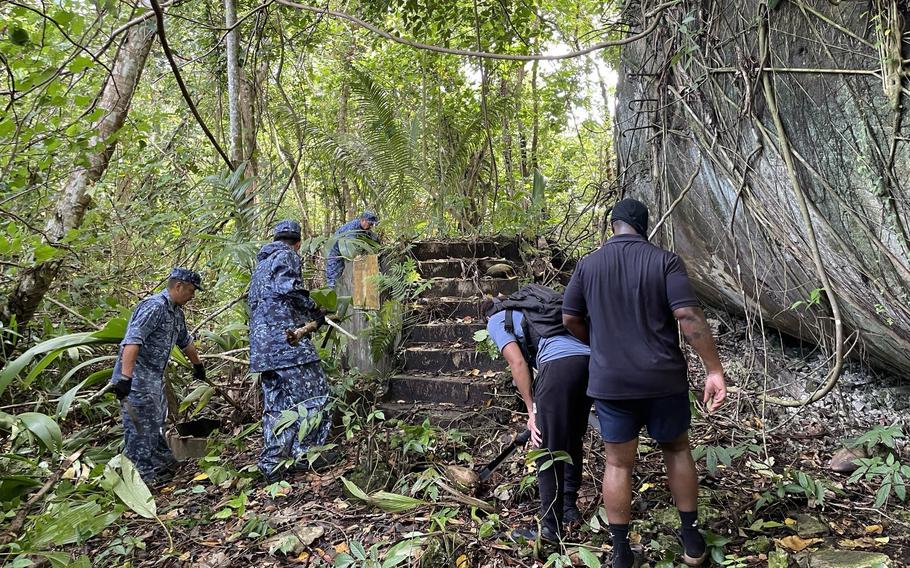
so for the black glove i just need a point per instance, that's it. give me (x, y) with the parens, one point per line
(320, 318)
(199, 371)
(123, 387)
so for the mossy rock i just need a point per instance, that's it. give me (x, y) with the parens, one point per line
(759, 544)
(372, 479)
(847, 559)
(669, 517)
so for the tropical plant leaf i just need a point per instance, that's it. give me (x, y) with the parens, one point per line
(44, 428)
(124, 480)
(111, 333)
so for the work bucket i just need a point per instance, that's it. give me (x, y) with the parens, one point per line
(191, 438)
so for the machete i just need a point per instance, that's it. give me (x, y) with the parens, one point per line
(521, 440)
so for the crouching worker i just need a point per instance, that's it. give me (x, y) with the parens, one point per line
(291, 375)
(557, 405)
(361, 227)
(155, 326)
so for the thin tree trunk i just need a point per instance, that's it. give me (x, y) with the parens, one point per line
(116, 96)
(233, 81)
(535, 117)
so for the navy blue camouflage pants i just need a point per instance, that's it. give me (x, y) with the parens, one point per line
(144, 443)
(302, 390)
(334, 268)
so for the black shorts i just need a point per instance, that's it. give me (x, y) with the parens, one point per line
(667, 418)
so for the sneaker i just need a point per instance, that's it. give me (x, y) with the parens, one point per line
(323, 461)
(695, 550)
(693, 560)
(270, 477)
(529, 534)
(571, 517)
(635, 562)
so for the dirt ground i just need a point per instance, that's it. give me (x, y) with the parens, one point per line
(755, 463)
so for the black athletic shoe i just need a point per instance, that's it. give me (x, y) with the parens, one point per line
(631, 559)
(323, 461)
(571, 517)
(529, 534)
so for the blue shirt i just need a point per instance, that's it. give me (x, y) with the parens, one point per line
(549, 349)
(628, 290)
(156, 325)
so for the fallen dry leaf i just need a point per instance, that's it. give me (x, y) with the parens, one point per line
(790, 522)
(201, 476)
(797, 544)
(303, 557)
(462, 562)
(874, 529)
(342, 547)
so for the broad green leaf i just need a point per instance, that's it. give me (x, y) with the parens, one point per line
(45, 252)
(356, 491)
(42, 364)
(12, 486)
(128, 486)
(18, 36)
(112, 333)
(588, 557)
(393, 502)
(400, 552)
(44, 428)
(7, 126)
(64, 523)
(94, 361)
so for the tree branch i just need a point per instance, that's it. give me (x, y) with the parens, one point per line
(484, 54)
(159, 20)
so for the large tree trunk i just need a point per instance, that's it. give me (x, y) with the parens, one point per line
(693, 118)
(233, 83)
(74, 200)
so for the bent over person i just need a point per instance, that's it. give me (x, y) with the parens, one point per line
(359, 227)
(156, 325)
(557, 412)
(625, 300)
(291, 375)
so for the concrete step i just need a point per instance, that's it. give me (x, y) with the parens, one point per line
(463, 391)
(448, 360)
(448, 308)
(444, 287)
(457, 267)
(505, 248)
(445, 332)
(483, 418)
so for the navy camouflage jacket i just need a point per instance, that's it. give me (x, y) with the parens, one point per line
(278, 302)
(157, 324)
(350, 230)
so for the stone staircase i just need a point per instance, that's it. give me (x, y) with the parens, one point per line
(441, 365)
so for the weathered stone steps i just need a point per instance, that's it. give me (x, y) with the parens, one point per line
(445, 332)
(466, 391)
(458, 267)
(461, 287)
(429, 250)
(445, 360)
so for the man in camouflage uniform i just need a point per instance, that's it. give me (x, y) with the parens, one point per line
(291, 375)
(156, 325)
(359, 227)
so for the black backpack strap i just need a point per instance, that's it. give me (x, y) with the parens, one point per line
(509, 324)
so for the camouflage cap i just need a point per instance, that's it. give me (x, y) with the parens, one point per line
(287, 228)
(370, 216)
(186, 275)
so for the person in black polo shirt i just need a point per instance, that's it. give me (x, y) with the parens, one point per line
(625, 301)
